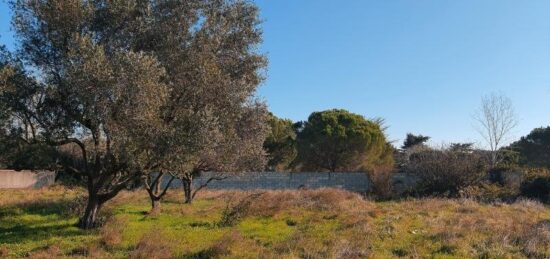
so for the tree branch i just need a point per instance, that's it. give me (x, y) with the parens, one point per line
(219, 178)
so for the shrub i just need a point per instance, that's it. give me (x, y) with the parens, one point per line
(445, 173)
(49, 252)
(490, 192)
(4, 252)
(536, 241)
(153, 245)
(232, 214)
(111, 233)
(536, 184)
(381, 183)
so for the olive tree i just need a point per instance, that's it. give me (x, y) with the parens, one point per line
(212, 121)
(226, 151)
(140, 87)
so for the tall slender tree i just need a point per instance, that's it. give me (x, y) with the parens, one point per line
(496, 118)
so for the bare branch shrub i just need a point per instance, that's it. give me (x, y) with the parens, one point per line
(442, 172)
(495, 120)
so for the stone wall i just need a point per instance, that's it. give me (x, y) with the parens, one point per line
(10, 179)
(355, 182)
(351, 181)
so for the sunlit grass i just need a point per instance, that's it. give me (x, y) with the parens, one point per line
(289, 224)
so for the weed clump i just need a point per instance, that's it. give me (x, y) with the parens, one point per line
(153, 245)
(50, 252)
(111, 232)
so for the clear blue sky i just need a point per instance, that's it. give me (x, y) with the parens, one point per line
(423, 65)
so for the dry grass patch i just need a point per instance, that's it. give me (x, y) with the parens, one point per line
(153, 245)
(49, 252)
(111, 232)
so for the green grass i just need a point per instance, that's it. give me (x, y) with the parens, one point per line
(291, 224)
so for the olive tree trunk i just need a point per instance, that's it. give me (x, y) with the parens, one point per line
(187, 190)
(90, 218)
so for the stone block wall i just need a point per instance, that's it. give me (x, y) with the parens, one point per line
(11, 179)
(351, 181)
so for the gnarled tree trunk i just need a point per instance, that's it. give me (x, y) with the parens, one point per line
(90, 218)
(156, 191)
(187, 190)
(155, 205)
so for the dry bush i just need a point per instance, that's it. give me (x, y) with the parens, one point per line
(233, 213)
(302, 246)
(269, 203)
(273, 202)
(489, 192)
(4, 252)
(345, 249)
(29, 197)
(92, 250)
(505, 233)
(111, 232)
(50, 252)
(382, 183)
(445, 173)
(221, 248)
(536, 241)
(153, 245)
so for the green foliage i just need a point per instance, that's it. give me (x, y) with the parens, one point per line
(280, 144)
(461, 147)
(35, 157)
(536, 184)
(534, 149)
(337, 140)
(490, 192)
(412, 140)
(138, 86)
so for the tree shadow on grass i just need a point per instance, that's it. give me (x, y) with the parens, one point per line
(42, 208)
(24, 233)
(38, 221)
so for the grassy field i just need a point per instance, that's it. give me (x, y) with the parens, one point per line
(274, 224)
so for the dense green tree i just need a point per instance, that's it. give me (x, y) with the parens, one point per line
(461, 147)
(280, 144)
(534, 149)
(337, 140)
(17, 127)
(414, 140)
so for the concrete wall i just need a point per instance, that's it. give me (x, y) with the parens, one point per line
(10, 179)
(351, 181)
(355, 182)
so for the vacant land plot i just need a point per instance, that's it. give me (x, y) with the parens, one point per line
(275, 224)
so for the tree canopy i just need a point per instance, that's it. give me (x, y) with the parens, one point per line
(280, 143)
(534, 149)
(413, 140)
(138, 86)
(337, 140)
